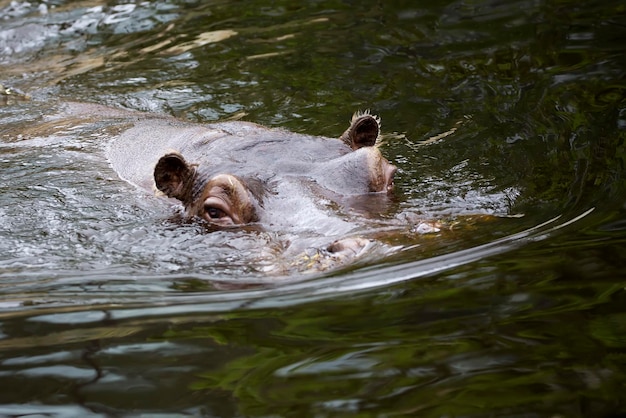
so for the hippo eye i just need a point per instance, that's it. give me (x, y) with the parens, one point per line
(214, 213)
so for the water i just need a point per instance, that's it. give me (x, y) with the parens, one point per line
(109, 308)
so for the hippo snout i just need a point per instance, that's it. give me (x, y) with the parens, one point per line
(389, 171)
(380, 172)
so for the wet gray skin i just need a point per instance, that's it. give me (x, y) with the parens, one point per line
(240, 174)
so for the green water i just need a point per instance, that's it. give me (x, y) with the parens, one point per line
(512, 109)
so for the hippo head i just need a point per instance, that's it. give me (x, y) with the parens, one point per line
(223, 199)
(233, 191)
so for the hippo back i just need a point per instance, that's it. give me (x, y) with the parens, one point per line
(240, 148)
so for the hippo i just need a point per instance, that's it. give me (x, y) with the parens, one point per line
(240, 174)
(224, 173)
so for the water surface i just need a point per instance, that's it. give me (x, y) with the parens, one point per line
(506, 121)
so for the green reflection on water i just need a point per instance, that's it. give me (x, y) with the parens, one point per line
(430, 348)
(535, 332)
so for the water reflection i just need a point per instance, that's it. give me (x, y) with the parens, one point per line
(106, 308)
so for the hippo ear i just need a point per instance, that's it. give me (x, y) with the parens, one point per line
(363, 131)
(173, 176)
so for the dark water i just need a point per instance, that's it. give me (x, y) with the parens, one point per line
(512, 109)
